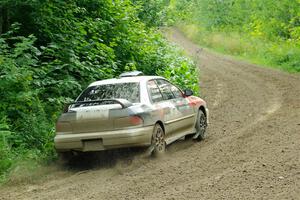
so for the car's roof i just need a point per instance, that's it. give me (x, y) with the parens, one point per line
(131, 79)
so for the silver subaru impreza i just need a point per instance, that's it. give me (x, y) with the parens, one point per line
(132, 110)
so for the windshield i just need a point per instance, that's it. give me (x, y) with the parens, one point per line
(128, 91)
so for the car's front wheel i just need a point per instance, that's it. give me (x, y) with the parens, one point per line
(201, 125)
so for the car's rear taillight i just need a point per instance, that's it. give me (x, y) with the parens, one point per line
(129, 121)
(136, 120)
(66, 108)
(63, 127)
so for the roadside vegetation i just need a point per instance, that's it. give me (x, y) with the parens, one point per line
(264, 32)
(51, 50)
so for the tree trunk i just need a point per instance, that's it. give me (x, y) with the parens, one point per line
(1, 18)
(4, 19)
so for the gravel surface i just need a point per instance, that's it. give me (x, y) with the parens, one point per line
(252, 150)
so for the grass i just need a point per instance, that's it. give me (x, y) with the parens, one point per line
(282, 55)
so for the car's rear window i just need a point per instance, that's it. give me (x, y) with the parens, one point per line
(128, 91)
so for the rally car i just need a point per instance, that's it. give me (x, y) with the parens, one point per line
(128, 111)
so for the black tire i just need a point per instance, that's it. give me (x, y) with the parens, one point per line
(158, 143)
(201, 125)
(65, 157)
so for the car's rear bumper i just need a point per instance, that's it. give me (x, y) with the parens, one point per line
(103, 140)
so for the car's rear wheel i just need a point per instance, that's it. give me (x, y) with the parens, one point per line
(158, 143)
(201, 125)
(65, 157)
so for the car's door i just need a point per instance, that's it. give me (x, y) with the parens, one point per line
(162, 104)
(188, 112)
(182, 114)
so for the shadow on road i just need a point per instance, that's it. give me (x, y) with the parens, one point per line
(109, 159)
(103, 159)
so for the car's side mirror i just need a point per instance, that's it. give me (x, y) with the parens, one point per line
(188, 92)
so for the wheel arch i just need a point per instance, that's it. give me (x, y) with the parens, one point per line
(161, 124)
(203, 110)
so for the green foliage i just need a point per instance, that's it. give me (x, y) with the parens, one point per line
(23, 123)
(238, 27)
(152, 12)
(51, 50)
(20, 102)
(5, 161)
(184, 75)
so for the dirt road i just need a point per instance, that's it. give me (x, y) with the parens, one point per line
(252, 150)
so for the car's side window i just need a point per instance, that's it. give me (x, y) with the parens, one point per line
(154, 91)
(176, 92)
(165, 88)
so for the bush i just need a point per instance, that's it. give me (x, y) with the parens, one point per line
(5, 154)
(23, 122)
(265, 32)
(54, 49)
(180, 70)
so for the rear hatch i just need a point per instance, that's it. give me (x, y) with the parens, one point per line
(102, 107)
(98, 118)
(94, 118)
